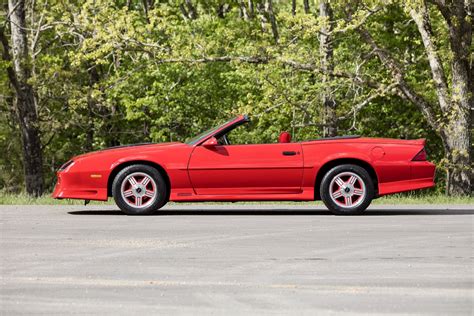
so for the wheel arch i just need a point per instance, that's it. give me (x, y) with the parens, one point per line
(125, 164)
(343, 161)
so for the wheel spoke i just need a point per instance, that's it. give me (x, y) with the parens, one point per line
(139, 190)
(128, 193)
(347, 189)
(352, 180)
(138, 200)
(132, 181)
(348, 200)
(337, 194)
(149, 194)
(145, 181)
(339, 182)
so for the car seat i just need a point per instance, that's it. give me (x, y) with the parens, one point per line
(284, 137)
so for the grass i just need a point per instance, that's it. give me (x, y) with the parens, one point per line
(407, 198)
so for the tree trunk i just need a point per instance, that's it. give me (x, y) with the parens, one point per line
(458, 130)
(89, 142)
(91, 107)
(25, 98)
(272, 19)
(243, 11)
(457, 142)
(327, 67)
(188, 10)
(222, 10)
(306, 6)
(145, 9)
(251, 11)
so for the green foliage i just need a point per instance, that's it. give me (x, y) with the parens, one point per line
(107, 74)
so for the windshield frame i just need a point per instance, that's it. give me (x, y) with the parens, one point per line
(197, 140)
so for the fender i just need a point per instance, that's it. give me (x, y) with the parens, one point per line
(315, 157)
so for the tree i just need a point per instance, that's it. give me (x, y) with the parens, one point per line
(327, 67)
(455, 99)
(115, 72)
(19, 73)
(450, 115)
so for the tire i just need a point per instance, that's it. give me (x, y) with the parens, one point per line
(139, 190)
(347, 190)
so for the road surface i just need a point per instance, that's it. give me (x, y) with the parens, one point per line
(232, 259)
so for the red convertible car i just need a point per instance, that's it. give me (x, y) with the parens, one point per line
(346, 173)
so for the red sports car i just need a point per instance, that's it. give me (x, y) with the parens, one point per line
(346, 173)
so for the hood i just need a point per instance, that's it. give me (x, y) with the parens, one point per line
(130, 147)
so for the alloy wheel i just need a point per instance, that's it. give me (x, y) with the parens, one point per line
(138, 190)
(347, 189)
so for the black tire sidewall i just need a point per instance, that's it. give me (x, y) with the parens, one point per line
(160, 200)
(325, 192)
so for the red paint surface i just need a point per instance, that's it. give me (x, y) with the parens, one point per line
(249, 172)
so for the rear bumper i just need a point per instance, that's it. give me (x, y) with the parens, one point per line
(403, 186)
(422, 177)
(67, 187)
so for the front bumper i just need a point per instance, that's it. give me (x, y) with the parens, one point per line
(74, 186)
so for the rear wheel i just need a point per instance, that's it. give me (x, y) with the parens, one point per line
(139, 190)
(347, 190)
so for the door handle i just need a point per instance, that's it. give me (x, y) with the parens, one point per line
(289, 153)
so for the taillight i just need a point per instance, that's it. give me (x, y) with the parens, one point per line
(421, 156)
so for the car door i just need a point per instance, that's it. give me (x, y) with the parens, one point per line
(246, 169)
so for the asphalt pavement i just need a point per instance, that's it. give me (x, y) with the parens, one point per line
(236, 259)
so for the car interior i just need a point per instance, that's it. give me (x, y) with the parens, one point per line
(284, 137)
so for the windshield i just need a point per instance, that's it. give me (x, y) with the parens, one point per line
(195, 140)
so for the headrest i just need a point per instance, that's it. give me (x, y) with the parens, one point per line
(284, 137)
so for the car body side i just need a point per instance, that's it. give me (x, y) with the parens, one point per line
(388, 161)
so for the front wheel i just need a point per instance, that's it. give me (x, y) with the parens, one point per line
(347, 190)
(139, 190)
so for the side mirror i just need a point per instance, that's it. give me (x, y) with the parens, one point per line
(211, 142)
